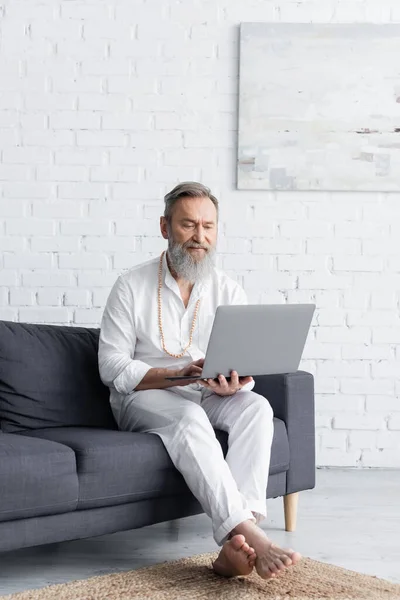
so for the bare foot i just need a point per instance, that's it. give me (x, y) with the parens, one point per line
(271, 559)
(235, 558)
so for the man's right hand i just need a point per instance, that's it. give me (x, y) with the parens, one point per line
(194, 368)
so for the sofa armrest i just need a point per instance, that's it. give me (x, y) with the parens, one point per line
(291, 396)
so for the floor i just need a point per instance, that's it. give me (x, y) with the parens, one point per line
(351, 519)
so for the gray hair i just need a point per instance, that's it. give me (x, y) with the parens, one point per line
(190, 189)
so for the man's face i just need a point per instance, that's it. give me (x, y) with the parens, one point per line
(192, 237)
(193, 225)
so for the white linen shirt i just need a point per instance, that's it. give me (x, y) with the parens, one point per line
(130, 342)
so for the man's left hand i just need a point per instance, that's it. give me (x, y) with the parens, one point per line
(222, 387)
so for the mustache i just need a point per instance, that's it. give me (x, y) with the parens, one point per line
(195, 245)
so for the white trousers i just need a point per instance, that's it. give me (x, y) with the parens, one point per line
(229, 490)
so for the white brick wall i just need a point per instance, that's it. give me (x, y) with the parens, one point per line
(104, 106)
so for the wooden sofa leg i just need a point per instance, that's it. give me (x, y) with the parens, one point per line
(290, 505)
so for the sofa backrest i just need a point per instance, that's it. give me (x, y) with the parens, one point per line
(49, 377)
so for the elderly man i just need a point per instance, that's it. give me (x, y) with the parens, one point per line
(156, 323)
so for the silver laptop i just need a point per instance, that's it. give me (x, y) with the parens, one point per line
(260, 339)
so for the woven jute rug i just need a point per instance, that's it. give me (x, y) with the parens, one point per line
(193, 578)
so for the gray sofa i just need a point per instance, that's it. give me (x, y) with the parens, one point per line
(66, 472)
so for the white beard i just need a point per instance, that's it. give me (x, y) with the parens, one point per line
(186, 266)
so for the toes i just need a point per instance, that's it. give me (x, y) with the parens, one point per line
(279, 564)
(237, 541)
(285, 560)
(245, 547)
(251, 550)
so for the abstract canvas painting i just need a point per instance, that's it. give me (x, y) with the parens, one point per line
(319, 107)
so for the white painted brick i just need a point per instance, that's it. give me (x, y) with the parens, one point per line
(100, 298)
(353, 368)
(107, 173)
(85, 11)
(343, 335)
(136, 227)
(108, 66)
(57, 138)
(75, 120)
(27, 156)
(56, 30)
(61, 173)
(269, 281)
(13, 208)
(382, 404)
(394, 423)
(22, 297)
(84, 190)
(45, 315)
(367, 386)
(30, 227)
(127, 260)
(248, 263)
(386, 369)
(375, 247)
(112, 209)
(89, 317)
(108, 29)
(361, 231)
(373, 318)
(55, 244)
(362, 440)
(76, 85)
(322, 351)
(335, 403)
(173, 175)
(248, 229)
(388, 439)
(50, 102)
(310, 229)
(49, 297)
(101, 138)
(386, 335)
(330, 457)
(83, 260)
(78, 156)
(57, 209)
(333, 318)
(334, 439)
(28, 261)
(232, 245)
(357, 263)
(9, 314)
(275, 245)
(15, 172)
(131, 156)
(381, 458)
(128, 121)
(12, 244)
(48, 279)
(143, 191)
(152, 244)
(155, 139)
(189, 157)
(90, 278)
(366, 352)
(4, 296)
(326, 385)
(355, 299)
(324, 281)
(302, 263)
(85, 227)
(110, 244)
(77, 298)
(370, 422)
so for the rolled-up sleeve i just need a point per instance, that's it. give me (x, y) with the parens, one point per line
(117, 342)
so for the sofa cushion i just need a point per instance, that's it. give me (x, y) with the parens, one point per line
(37, 477)
(115, 467)
(49, 378)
